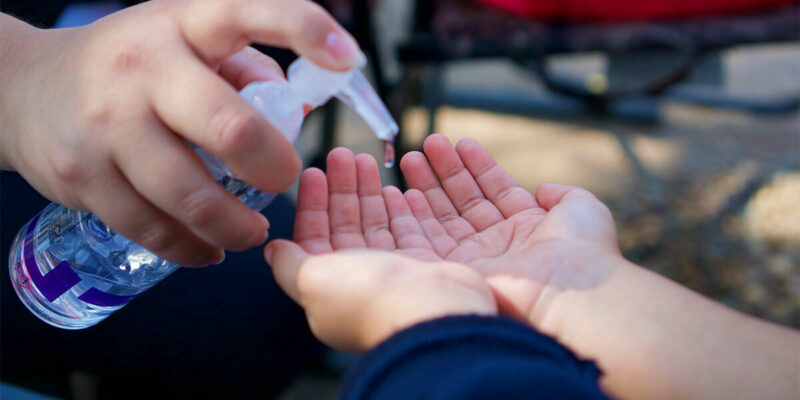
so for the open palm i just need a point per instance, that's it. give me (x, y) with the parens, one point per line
(461, 207)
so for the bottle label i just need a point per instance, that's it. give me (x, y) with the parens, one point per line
(62, 278)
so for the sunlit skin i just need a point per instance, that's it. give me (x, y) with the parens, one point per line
(466, 239)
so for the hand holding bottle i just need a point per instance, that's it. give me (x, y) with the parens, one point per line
(97, 118)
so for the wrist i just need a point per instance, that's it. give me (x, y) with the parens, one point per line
(638, 318)
(580, 274)
(582, 287)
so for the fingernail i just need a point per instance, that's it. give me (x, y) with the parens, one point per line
(266, 230)
(345, 50)
(268, 254)
(219, 258)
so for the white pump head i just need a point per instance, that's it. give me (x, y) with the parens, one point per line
(310, 84)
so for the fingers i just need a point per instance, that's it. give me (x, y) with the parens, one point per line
(442, 242)
(249, 65)
(343, 200)
(135, 218)
(419, 176)
(459, 184)
(405, 228)
(329, 208)
(193, 101)
(164, 170)
(374, 217)
(286, 258)
(311, 229)
(216, 29)
(494, 182)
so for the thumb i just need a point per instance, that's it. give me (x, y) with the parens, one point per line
(250, 65)
(285, 258)
(551, 194)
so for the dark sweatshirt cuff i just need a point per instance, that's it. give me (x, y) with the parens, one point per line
(477, 354)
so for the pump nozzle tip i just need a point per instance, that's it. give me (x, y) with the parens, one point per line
(361, 97)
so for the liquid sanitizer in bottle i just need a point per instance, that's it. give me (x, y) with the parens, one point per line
(72, 271)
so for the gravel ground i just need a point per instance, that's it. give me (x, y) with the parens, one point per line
(734, 237)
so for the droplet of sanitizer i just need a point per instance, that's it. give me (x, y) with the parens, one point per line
(388, 153)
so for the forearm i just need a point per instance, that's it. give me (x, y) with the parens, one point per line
(14, 34)
(656, 339)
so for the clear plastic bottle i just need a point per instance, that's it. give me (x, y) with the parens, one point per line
(72, 271)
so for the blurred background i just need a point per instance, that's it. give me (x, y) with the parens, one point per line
(687, 127)
(681, 115)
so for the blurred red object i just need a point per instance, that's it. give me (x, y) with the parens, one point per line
(628, 10)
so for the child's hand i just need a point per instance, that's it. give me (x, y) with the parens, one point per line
(98, 117)
(551, 259)
(356, 299)
(465, 209)
(530, 248)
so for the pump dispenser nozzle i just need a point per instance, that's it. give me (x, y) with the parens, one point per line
(309, 84)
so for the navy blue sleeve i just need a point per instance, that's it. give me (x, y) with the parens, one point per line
(471, 357)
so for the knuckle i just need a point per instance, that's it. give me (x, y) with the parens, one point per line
(199, 207)
(129, 56)
(490, 167)
(156, 237)
(96, 113)
(510, 190)
(243, 239)
(311, 23)
(267, 62)
(226, 14)
(197, 259)
(236, 131)
(472, 202)
(289, 172)
(450, 171)
(69, 167)
(314, 13)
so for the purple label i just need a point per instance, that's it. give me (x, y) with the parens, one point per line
(62, 278)
(100, 298)
(54, 283)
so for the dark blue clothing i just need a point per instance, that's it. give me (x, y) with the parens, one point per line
(471, 357)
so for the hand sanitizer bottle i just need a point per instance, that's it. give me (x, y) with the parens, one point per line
(72, 271)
